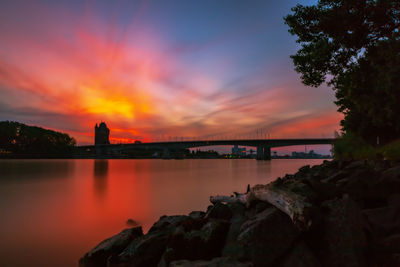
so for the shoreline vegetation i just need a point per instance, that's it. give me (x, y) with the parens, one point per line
(21, 141)
(339, 213)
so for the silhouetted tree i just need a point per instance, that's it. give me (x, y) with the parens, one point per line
(354, 46)
(19, 138)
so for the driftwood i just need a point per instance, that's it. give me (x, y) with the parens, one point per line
(296, 206)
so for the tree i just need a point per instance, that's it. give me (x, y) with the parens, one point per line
(354, 46)
(19, 138)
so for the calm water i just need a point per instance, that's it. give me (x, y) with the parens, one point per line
(53, 211)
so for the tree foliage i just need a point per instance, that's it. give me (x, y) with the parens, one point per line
(19, 138)
(354, 46)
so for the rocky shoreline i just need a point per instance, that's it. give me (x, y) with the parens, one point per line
(339, 213)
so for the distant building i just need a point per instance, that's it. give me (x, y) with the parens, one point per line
(238, 151)
(101, 134)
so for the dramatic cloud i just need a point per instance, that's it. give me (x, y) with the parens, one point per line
(153, 70)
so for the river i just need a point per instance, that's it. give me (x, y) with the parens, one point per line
(53, 211)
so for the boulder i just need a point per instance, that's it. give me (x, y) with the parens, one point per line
(392, 243)
(202, 244)
(323, 190)
(393, 199)
(267, 236)
(237, 208)
(220, 211)
(300, 256)
(388, 184)
(217, 262)
(305, 170)
(232, 248)
(197, 214)
(261, 206)
(356, 165)
(335, 177)
(148, 249)
(393, 172)
(142, 252)
(301, 188)
(131, 223)
(343, 241)
(256, 207)
(168, 222)
(383, 221)
(360, 183)
(97, 257)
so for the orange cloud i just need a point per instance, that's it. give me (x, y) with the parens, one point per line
(67, 72)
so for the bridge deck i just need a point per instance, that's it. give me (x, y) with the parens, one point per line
(242, 142)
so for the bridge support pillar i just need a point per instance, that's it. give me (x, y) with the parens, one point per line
(263, 153)
(267, 153)
(260, 153)
(166, 154)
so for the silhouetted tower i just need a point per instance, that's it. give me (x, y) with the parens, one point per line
(101, 134)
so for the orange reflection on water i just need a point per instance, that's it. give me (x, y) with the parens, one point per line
(54, 211)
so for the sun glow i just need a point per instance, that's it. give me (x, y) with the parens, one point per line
(111, 107)
(113, 102)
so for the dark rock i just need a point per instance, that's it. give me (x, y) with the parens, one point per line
(197, 214)
(383, 221)
(217, 262)
(359, 164)
(267, 236)
(256, 206)
(361, 184)
(300, 256)
(380, 165)
(324, 191)
(393, 199)
(393, 172)
(232, 248)
(395, 260)
(388, 184)
(131, 222)
(97, 257)
(166, 222)
(209, 208)
(305, 169)
(392, 243)
(343, 241)
(262, 205)
(193, 224)
(142, 252)
(237, 208)
(301, 188)
(343, 163)
(342, 182)
(220, 211)
(335, 177)
(205, 243)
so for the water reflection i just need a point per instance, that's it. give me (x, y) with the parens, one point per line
(16, 171)
(66, 207)
(100, 174)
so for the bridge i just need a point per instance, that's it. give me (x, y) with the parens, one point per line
(263, 145)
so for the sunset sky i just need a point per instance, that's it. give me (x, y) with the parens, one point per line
(157, 69)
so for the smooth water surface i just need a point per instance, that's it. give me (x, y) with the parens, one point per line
(53, 211)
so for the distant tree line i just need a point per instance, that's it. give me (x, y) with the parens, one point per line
(18, 138)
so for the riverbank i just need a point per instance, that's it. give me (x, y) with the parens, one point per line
(333, 214)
